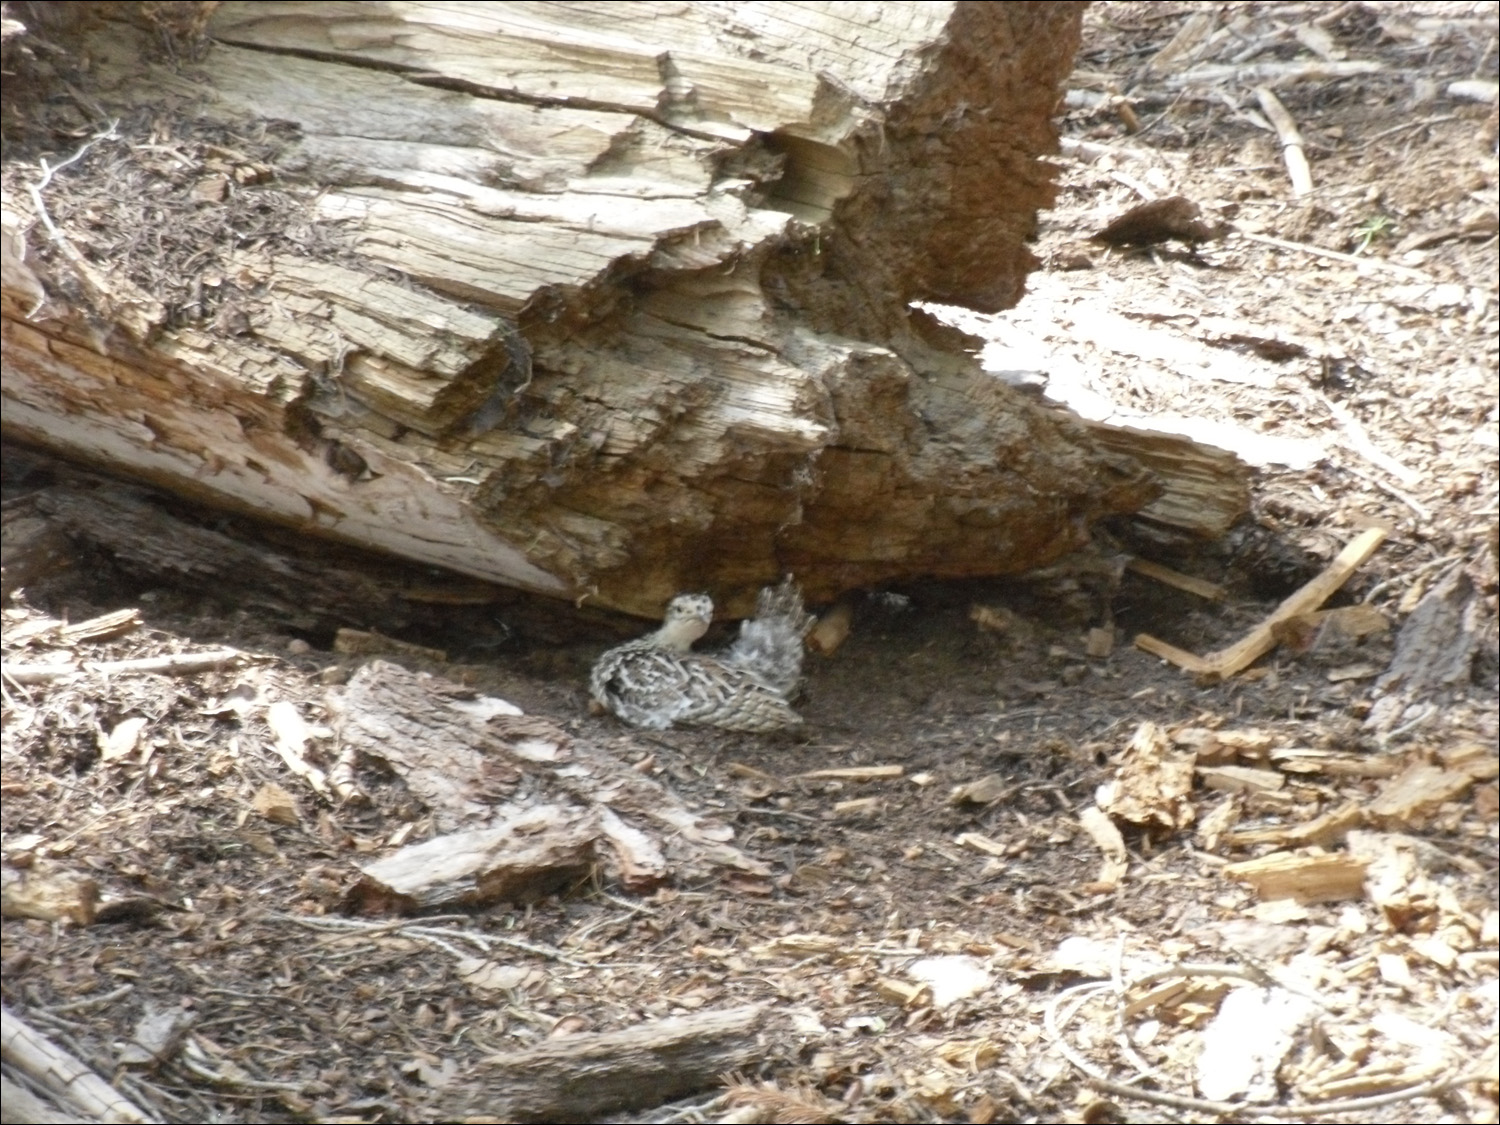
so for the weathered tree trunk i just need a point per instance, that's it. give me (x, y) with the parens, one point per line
(594, 300)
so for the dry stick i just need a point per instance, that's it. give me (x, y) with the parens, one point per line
(1292, 148)
(1092, 150)
(1262, 639)
(176, 664)
(1278, 72)
(415, 927)
(1390, 489)
(1410, 125)
(1359, 439)
(1211, 591)
(1049, 1021)
(72, 1084)
(1337, 256)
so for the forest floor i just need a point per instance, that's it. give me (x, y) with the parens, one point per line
(953, 937)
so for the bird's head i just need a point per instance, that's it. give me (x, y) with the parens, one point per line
(687, 618)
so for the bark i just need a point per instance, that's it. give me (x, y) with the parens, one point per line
(601, 301)
(578, 1077)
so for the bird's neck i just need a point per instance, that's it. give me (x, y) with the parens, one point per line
(678, 636)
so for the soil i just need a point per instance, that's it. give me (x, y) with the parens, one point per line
(213, 906)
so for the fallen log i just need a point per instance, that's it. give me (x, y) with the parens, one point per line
(596, 302)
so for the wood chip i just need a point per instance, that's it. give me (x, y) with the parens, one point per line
(990, 787)
(1153, 783)
(858, 807)
(275, 804)
(105, 627)
(525, 856)
(44, 889)
(981, 844)
(1415, 794)
(1108, 840)
(1240, 779)
(1303, 876)
(1329, 828)
(832, 629)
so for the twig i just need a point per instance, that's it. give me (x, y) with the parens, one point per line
(175, 664)
(70, 1083)
(1410, 125)
(1122, 1036)
(92, 1002)
(1337, 256)
(635, 907)
(416, 926)
(1092, 150)
(1215, 73)
(1390, 489)
(57, 236)
(1055, 1031)
(1292, 146)
(1361, 443)
(239, 1081)
(1262, 639)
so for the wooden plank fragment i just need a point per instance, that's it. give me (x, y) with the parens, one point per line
(1323, 830)
(1260, 640)
(1240, 779)
(1305, 877)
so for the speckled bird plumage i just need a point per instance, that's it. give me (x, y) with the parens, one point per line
(658, 681)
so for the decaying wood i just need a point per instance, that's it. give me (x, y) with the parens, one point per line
(1101, 829)
(1322, 830)
(579, 1077)
(1416, 793)
(1434, 650)
(71, 1085)
(34, 548)
(50, 631)
(1260, 640)
(594, 302)
(522, 858)
(832, 629)
(141, 536)
(45, 889)
(520, 805)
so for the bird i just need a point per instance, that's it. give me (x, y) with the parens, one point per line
(658, 681)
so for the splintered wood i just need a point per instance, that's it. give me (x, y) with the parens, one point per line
(1260, 640)
(455, 293)
(522, 808)
(576, 1077)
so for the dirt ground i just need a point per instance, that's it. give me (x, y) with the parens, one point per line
(927, 957)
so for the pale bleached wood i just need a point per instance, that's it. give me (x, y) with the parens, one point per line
(622, 300)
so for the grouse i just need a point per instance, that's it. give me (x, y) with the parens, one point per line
(658, 681)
